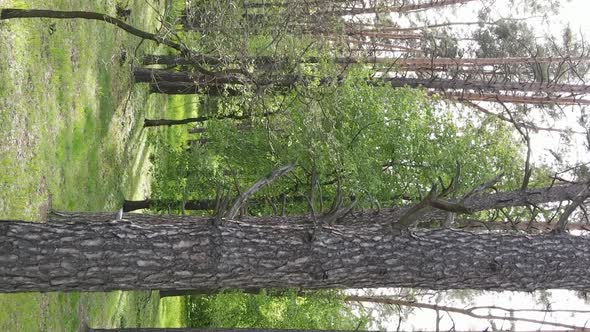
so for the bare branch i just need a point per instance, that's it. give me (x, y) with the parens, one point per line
(467, 312)
(564, 218)
(240, 201)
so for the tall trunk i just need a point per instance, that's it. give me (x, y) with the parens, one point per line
(395, 9)
(189, 88)
(168, 59)
(201, 204)
(147, 75)
(186, 83)
(419, 63)
(170, 122)
(388, 27)
(514, 99)
(461, 62)
(188, 253)
(159, 77)
(368, 45)
(449, 84)
(85, 251)
(91, 252)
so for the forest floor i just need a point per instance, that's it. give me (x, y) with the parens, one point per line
(71, 138)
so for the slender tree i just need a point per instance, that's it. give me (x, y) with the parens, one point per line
(395, 9)
(492, 86)
(513, 99)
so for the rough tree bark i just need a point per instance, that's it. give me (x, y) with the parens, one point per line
(172, 122)
(98, 255)
(90, 252)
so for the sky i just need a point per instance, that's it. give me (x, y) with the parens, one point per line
(577, 14)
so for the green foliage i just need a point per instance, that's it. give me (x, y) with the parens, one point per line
(506, 39)
(322, 310)
(356, 138)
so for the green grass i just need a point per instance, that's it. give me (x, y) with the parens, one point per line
(171, 312)
(71, 139)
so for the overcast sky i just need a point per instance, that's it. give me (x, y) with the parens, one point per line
(577, 14)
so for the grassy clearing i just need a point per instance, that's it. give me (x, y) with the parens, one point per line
(71, 139)
(171, 312)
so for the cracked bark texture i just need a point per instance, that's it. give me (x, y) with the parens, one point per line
(192, 253)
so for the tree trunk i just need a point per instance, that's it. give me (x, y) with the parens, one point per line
(405, 63)
(176, 60)
(191, 253)
(450, 84)
(159, 77)
(171, 122)
(90, 252)
(513, 99)
(191, 82)
(395, 9)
